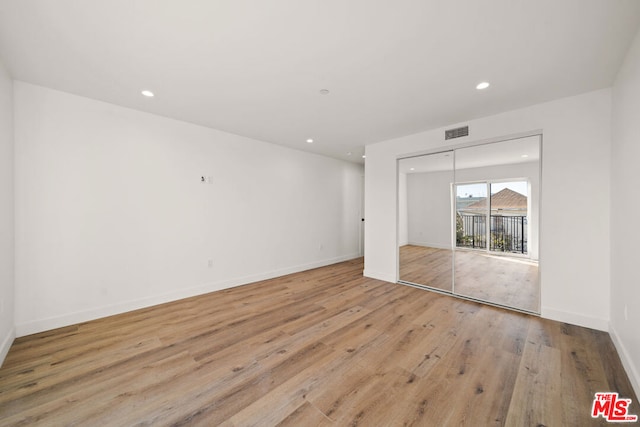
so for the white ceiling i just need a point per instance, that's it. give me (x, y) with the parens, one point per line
(255, 67)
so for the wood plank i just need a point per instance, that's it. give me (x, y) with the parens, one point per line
(537, 398)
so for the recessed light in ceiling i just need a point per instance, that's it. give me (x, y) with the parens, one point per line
(482, 85)
(412, 169)
(324, 91)
(364, 156)
(309, 141)
(524, 156)
(147, 93)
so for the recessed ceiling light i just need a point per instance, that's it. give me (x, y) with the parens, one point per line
(309, 141)
(482, 85)
(324, 91)
(524, 156)
(364, 156)
(412, 169)
(147, 93)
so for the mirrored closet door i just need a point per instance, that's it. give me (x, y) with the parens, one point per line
(468, 222)
(497, 198)
(424, 227)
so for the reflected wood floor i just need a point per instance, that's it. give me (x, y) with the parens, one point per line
(325, 347)
(427, 266)
(510, 281)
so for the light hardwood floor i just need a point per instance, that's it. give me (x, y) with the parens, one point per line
(427, 266)
(325, 347)
(509, 281)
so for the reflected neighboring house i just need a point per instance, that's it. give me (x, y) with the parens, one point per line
(463, 202)
(505, 202)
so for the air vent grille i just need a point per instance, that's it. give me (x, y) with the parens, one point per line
(456, 133)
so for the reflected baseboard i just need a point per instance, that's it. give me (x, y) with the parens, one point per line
(429, 245)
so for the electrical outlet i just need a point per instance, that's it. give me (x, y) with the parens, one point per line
(210, 263)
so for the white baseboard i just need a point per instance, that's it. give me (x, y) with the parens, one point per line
(575, 319)
(379, 276)
(40, 325)
(632, 370)
(6, 344)
(430, 245)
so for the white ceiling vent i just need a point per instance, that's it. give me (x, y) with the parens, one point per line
(456, 133)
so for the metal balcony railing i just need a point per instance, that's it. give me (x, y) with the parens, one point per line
(507, 233)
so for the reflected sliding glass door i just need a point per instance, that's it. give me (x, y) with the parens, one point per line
(498, 223)
(471, 215)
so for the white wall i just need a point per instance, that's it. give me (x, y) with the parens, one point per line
(111, 214)
(7, 327)
(429, 209)
(625, 206)
(574, 223)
